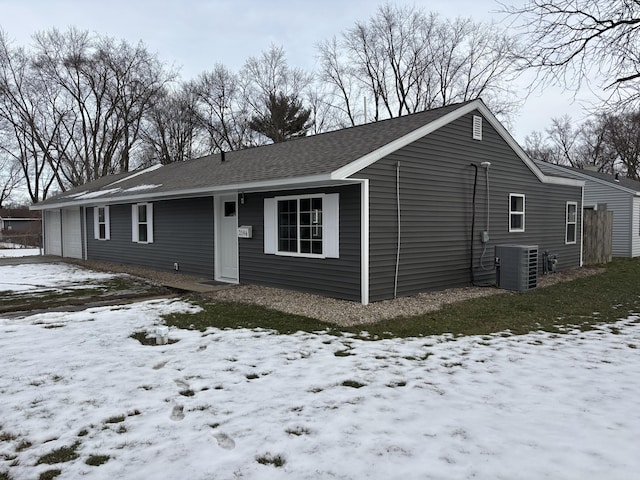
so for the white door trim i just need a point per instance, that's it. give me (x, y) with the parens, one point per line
(219, 237)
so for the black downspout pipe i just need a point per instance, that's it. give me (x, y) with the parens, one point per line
(473, 223)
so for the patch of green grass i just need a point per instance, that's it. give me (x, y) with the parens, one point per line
(238, 315)
(5, 476)
(50, 474)
(60, 455)
(581, 303)
(97, 460)
(268, 459)
(399, 383)
(187, 393)
(342, 353)
(298, 431)
(115, 419)
(145, 339)
(6, 436)
(352, 384)
(118, 287)
(23, 445)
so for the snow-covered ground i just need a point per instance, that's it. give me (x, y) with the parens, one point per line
(210, 405)
(13, 250)
(40, 277)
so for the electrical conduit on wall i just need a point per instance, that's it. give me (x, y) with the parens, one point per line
(395, 279)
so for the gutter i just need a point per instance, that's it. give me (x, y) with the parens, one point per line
(148, 195)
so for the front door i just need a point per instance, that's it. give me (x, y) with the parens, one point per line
(227, 238)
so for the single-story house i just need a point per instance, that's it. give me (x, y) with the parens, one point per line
(618, 194)
(366, 213)
(20, 220)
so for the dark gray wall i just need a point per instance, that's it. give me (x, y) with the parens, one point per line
(337, 277)
(436, 209)
(182, 233)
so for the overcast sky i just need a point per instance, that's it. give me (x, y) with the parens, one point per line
(193, 35)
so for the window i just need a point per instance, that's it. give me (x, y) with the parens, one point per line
(142, 223)
(101, 224)
(572, 222)
(516, 212)
(302, 225)
(229, 209)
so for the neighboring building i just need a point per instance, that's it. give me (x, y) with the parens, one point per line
(20, 225)
(618, 194)
(385, 209)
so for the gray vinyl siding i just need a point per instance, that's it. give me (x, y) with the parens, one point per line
(182, 233)
(436, 191)
(623, 204)
(336, 277)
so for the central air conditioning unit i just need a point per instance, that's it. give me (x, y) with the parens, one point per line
(517, 267)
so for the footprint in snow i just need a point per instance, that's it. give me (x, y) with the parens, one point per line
(181, 383)
(224, 441)
(177, 413)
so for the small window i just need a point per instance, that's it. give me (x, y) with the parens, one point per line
(516, 212)
(229, 209)
(572, 222)
(101, 228)
(142, 223)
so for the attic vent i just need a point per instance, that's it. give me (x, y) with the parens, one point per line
(477, 127)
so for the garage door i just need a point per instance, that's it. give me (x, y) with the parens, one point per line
(71, 233)
(52, 233)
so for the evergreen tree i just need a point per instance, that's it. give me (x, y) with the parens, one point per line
(283, 118)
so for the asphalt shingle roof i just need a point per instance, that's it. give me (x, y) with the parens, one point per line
(306, 156)
(607, 177)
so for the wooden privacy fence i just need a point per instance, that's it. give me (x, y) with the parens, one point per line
(597, 236)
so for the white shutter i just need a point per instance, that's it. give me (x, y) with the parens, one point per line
(134, 223)
(96, 226)
(270, 225)
(107, 224)
(149, 222)
(331, 217)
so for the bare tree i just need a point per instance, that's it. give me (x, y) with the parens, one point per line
(269, 74)
(104, 89)
(30, 121)
(221, 110)
(172, 132)
(538, 148)
(564, 137)
(623, 135)
(569, 41)
(610, 143)
(10, 177)
(404, 60)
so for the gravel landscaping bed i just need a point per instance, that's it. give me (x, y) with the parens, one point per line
(339, 312)
(346, 313)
